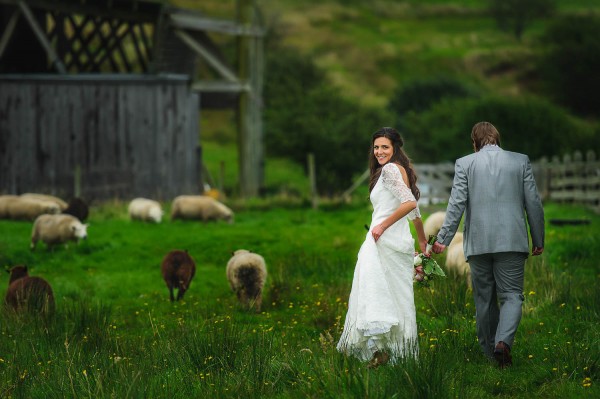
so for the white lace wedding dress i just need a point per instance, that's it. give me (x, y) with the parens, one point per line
(381, 309)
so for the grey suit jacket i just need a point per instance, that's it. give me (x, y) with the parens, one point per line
(496, 191)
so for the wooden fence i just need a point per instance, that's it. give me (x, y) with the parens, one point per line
(574, 179)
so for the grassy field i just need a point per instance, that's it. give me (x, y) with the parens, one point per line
(115, 333)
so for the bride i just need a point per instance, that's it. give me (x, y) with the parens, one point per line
(381, 322)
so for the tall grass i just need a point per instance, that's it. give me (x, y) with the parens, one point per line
(115, 333)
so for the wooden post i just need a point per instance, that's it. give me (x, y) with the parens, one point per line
(77, 181)
(249, 112)
(312, 176)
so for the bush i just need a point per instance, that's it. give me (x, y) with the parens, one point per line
(421, 94)
(303, 114)
(529, 125)
(571, 63)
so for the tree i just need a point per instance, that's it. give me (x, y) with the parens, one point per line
(515, 15)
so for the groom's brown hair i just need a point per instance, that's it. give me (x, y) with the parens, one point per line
(484, 133)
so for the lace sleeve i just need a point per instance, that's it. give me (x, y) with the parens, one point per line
(392, 180)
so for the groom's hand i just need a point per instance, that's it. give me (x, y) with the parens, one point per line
(438, 248)
(537, 251)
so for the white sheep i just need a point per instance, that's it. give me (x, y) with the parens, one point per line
(57, 229)
(247, 272)
(200, 207)
(455, 258)
(45, 197)
(433, 223)
(23, 208)
(146, 210)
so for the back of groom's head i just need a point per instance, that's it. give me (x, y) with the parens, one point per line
(484, 133)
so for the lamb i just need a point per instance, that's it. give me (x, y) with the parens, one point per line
(455, 258)
(28, 293)
(247, 272)
(57, 229)
(145, 210)
(78, 208)
(200, 207)
(44, 197)
(25, 208)
(178, 270)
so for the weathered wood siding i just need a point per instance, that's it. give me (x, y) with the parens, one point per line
(128, 135)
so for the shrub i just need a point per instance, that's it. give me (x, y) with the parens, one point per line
(304, 114)
(527, 124)
(571, 63)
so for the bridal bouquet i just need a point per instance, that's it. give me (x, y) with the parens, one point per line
(426, 268)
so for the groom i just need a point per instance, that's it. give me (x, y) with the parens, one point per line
(495, 189)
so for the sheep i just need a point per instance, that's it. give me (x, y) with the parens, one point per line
(78, 208)
(145, 209)
(28, 293)
(178, 270)
(434, 223)
(247, 272)
(455, 258)
(200, 207)
(44, 197)
(25, 208)
(57, 229)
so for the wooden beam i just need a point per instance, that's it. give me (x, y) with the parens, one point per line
(41, 37)
(195, 22)
(220, 86)
(10, 28)
(223, 70)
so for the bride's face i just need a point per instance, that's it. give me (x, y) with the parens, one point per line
(383, 150)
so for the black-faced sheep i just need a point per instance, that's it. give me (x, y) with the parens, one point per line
(45, 197)
(247, 273)
(178, 270)
(57, 229)
(146, 210)
(455, 258)
(200, 207)
(23, 208)
(78, 208)
(27, 293)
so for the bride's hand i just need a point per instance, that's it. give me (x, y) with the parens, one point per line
(423, 245)
(377, 232)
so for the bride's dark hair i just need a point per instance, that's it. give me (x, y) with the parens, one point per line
(399, 157)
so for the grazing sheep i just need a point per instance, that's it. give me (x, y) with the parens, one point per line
(455, 258)
(247, 272)
(178, 270)
(57, 229)
(78, 208)
(146, 210)
(434, 223)
(44, 197)
(28, 293)
(200, 207)
(25, 208)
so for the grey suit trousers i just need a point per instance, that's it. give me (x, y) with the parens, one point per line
(497, 277)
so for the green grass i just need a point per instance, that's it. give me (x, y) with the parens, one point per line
(115, 333)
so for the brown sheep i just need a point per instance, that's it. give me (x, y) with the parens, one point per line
(178, 270)
(78, 208)
(33, 294)
(247, 272)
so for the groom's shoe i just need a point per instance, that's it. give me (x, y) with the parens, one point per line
(502, 355)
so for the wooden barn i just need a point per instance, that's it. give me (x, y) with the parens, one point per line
(102, 99)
